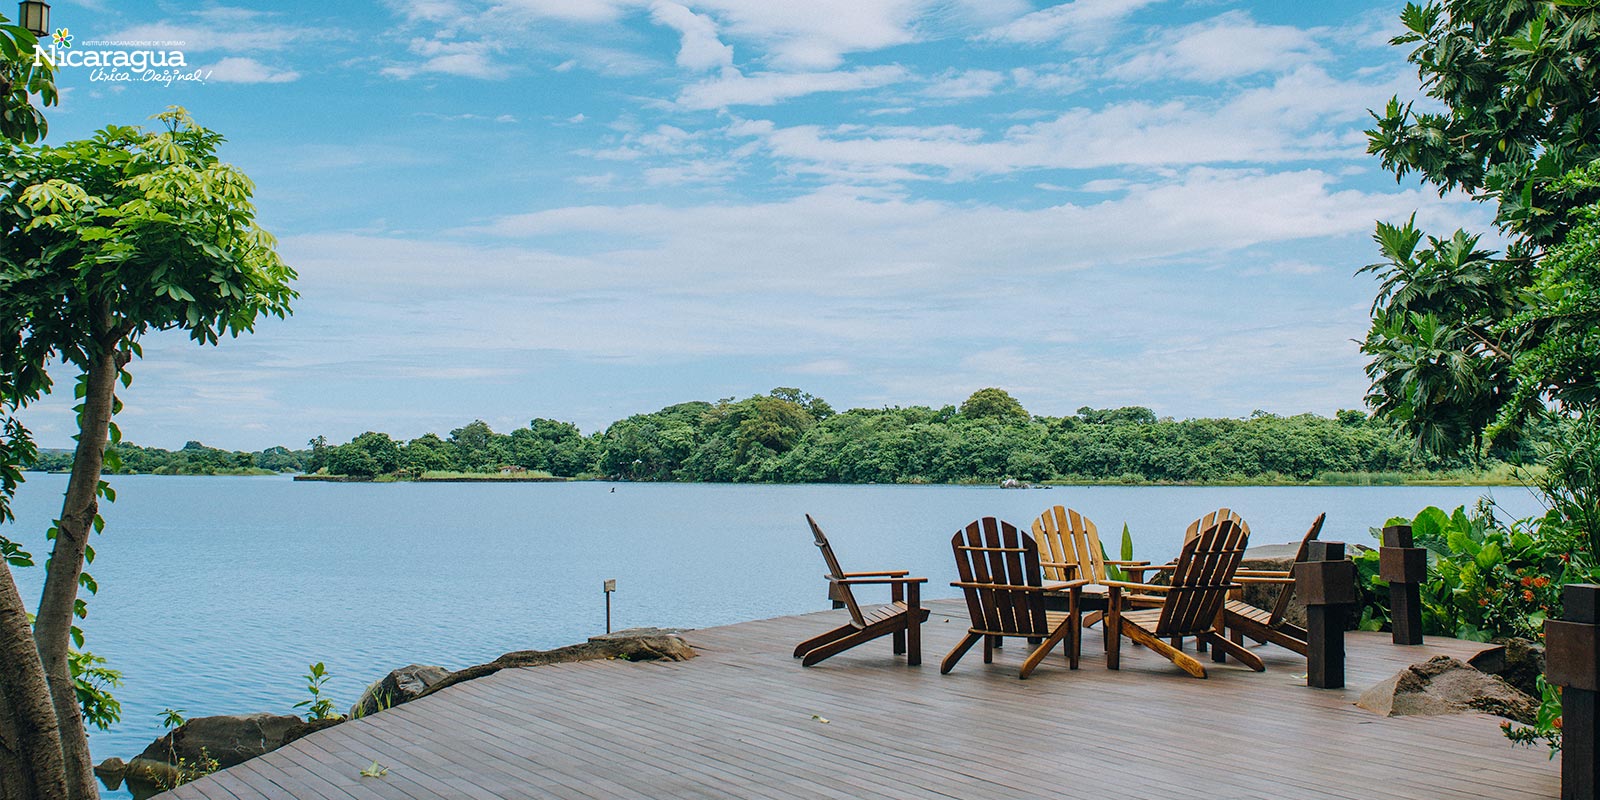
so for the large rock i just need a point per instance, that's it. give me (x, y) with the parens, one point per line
(228, 740)
(1444, 685)
(638, 644)
(399, 686)
(1521, 664)
(1277, 557)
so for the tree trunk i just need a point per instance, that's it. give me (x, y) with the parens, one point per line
(31, 762)
(53, 626)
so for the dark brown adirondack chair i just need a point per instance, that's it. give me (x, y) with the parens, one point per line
(1069, 548)
(1192, 604)
(1192, 531)
(902, 617)
(1243, 619)
(1000, 578)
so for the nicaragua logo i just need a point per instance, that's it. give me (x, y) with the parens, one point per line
(119, 62)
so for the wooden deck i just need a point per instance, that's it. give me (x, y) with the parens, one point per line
(741, 721)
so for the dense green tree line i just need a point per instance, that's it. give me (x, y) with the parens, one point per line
(791, 436)
(193, 458)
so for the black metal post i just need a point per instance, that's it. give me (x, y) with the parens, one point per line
(1572, 661)
(1405, 568)
(1326, 583)
(608, 587)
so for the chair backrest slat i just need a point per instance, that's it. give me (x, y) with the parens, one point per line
(1280, 609)
(837, 573)
(1067, 537)
(1213, 518)
(994, 554)
(1201, 579)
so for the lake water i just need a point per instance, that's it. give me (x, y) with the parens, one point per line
(215, 593)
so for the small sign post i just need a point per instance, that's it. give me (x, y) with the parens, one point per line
(608, 587)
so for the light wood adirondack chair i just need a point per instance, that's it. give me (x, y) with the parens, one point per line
(1001, 581)
(1069, 548)
(1245, 620)
(1193, 602)
(902, 617)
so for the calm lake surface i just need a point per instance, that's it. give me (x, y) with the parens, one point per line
(216, 592)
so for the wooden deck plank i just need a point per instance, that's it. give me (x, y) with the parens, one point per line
(737, 722)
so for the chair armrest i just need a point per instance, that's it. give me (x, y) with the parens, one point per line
(1131, 585)
(1128, 563)
(892, 573)
(1061, 586)
(1264, 573)
(1261, 580)
(871, 581)
(1071, 568)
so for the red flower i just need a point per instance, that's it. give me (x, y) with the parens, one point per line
(1541, 582)
(1526, 581)
(1527, 595)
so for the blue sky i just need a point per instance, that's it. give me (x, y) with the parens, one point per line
(584, 209)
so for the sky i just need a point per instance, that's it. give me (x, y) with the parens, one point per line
(587, 209)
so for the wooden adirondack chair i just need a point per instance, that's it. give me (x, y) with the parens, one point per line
(1000, 578)
(1243, 619)
(902, 617)
(1193, 602)
(1069, 548)
(1192, 531)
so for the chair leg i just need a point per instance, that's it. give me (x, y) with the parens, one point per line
(818, 641)
(1061, 632)
(1075, 639)
(899, 642)
(1112, 628)
(988, 649)
(1176, 656)
(960, 650)
(839, 646)
(1092, 617)
(914, 617)
(1238, 651)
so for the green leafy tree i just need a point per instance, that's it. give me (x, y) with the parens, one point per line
(427, 453)
(22, 84)
(1516, 82)
(993, 404)
(103, 241)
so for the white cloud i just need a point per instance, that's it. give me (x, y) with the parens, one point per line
(701, 50)
(238, 69)
(1231, 45)
(588, 11)
(1079, 22)
(816, 34)
(467, 59)
(1296, 118)
(767, 88)
(964, 84)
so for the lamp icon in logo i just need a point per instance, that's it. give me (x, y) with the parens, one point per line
(63, 38)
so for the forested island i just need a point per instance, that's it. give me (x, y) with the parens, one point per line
(791, 436)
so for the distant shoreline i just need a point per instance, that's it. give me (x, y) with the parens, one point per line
(1339, 481)
(485, 478)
